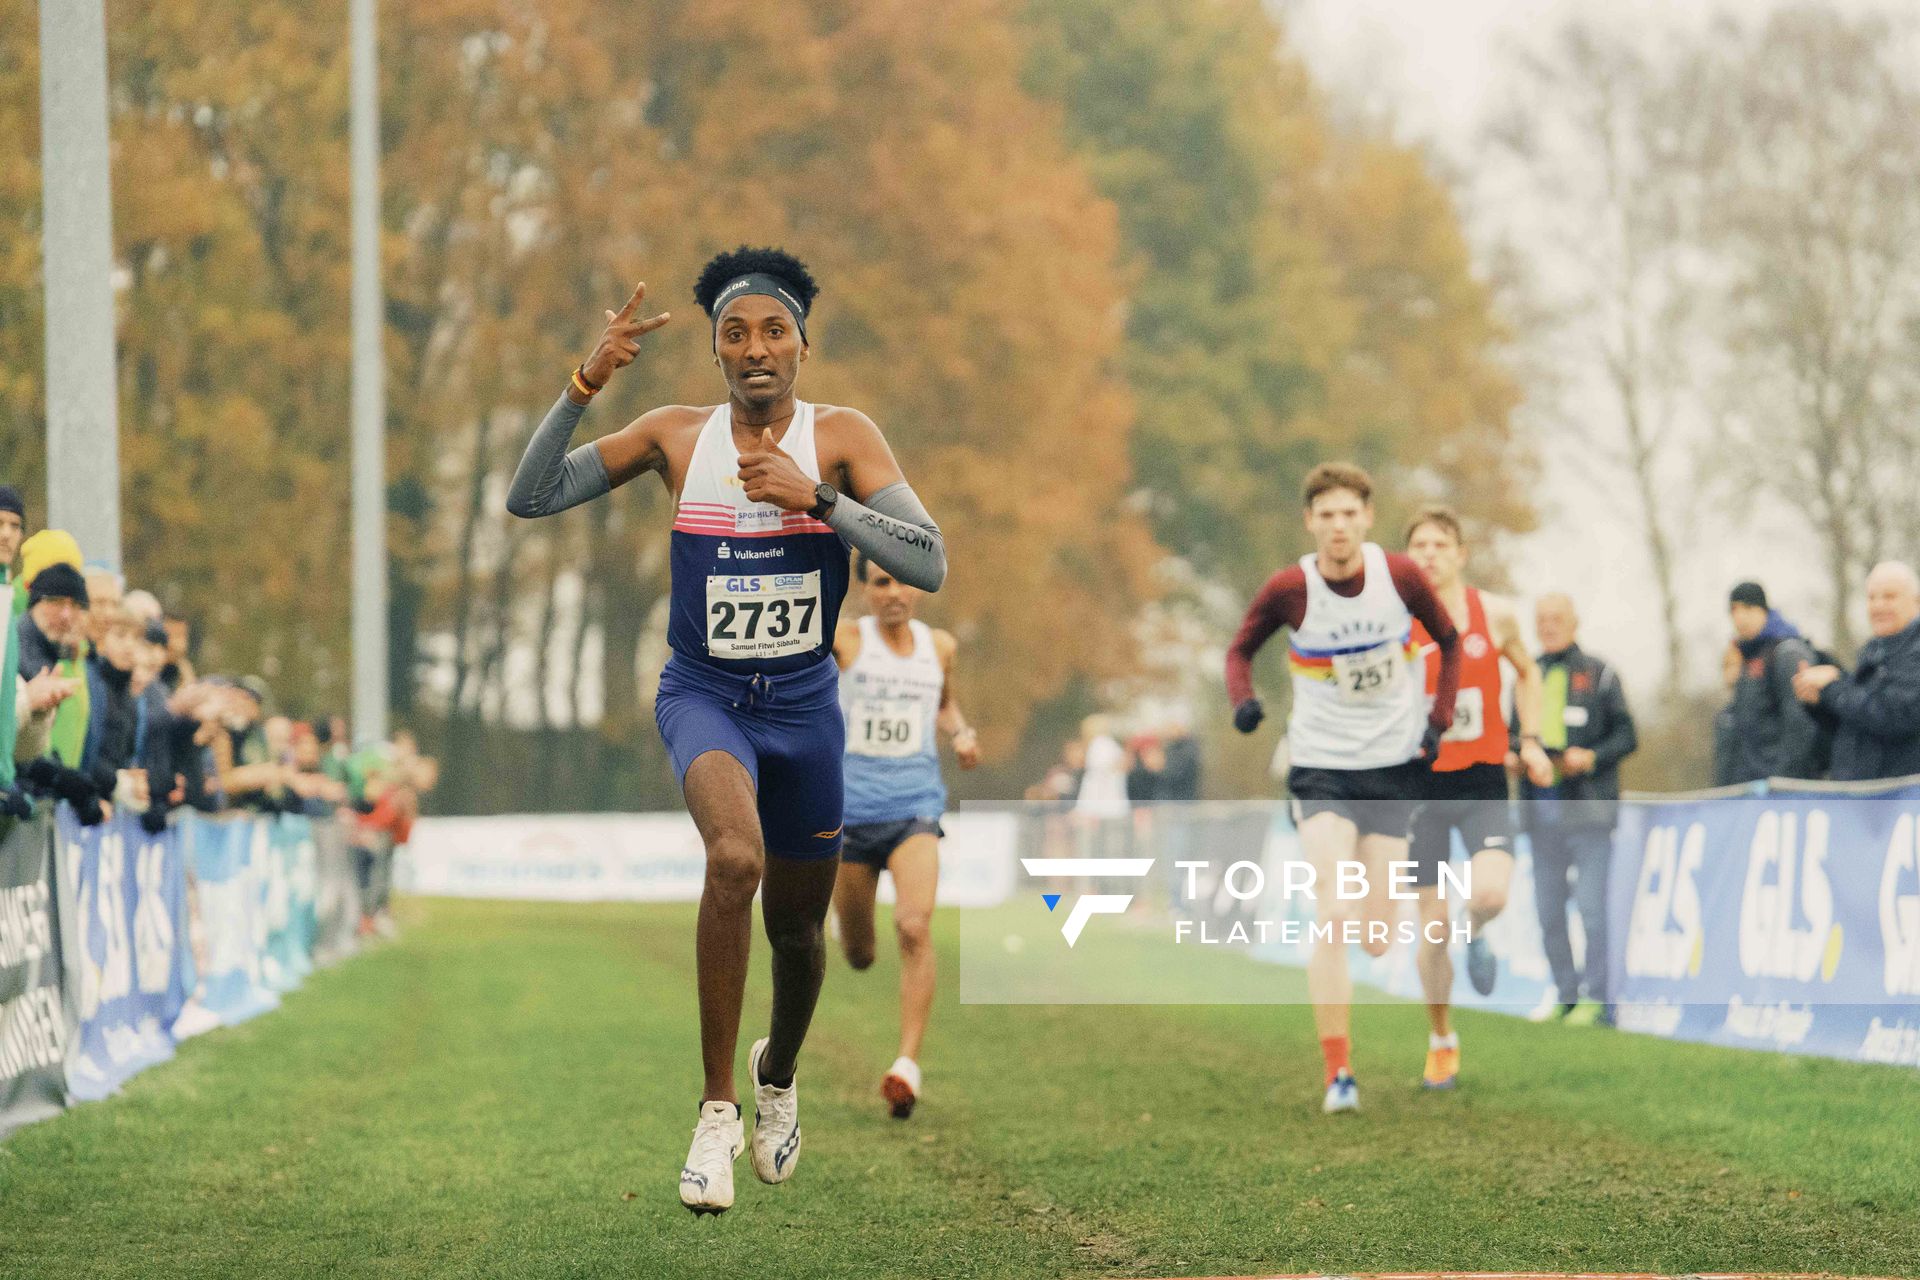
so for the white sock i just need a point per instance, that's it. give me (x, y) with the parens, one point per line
(1451, 1040)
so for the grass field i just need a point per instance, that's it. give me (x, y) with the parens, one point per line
(509, 1089)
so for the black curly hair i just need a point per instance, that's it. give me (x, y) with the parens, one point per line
(727, 267)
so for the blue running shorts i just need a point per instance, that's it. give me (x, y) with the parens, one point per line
(786, 729)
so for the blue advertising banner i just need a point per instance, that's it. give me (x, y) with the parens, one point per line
(292, 923)
(1775, 919)
(116, 944)
(120, 948)
(230, 859)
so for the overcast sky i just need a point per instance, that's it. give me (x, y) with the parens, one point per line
(1439, 67)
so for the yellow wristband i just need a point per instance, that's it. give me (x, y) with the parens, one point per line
(585, 388)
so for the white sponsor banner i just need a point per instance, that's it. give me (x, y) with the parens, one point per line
(648, 857)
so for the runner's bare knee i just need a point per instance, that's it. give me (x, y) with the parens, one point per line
(734, 863)
(915, 931)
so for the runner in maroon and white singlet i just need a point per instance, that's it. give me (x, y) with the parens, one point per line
(1361, 731)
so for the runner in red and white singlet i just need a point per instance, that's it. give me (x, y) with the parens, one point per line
(1467, 790)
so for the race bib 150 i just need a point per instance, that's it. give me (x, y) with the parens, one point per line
(887, 728)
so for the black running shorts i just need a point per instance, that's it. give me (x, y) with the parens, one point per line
(872, 844)
(1472, 801)
(1379, 802)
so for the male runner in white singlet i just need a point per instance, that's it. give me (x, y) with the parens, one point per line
(769, 491)
(1360, 734)
(1467, 790)
(896, 689)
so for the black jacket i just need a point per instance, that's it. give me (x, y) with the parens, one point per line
(1875, 712)
(113, 721)
(1180, 779)
(37, 653)
(187, 760)
(1143, 785)
(153, 748)
(1769, 733)
(1597, 720)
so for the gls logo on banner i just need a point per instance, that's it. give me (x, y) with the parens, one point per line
(1900, 908)
(1088, 905)
(1787, 877)
(1664, 934)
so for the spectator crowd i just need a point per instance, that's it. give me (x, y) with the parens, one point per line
(1797, 712)
(101, 707)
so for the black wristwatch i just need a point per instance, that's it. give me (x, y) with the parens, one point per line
(824, 496)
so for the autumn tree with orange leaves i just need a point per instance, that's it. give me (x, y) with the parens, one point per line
(1090, 312)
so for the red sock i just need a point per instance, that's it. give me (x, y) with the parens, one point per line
(1335, 1050)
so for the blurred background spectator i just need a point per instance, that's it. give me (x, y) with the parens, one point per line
(1062, 780)
(1767, 732)
(1587, 731)
(1875, 712)
(1146, 776)
(179, 668)
(51, 628)
(52, 639)
(1103, 778)
(107, 757)
(385, 783)
(104, 589)
(1180, 768)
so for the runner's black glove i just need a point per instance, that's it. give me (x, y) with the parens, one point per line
(1430, 745)
(154, 820)
(15, 803)
(1248, 715)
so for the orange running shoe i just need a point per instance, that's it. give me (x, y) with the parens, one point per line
(901, 1088)
(1443, 1069)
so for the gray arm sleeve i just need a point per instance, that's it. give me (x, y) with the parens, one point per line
(894, 531)
(550, 479)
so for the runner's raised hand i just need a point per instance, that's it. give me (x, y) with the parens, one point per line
(621, 340)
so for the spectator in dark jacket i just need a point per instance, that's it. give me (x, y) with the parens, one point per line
(1143, 777)
(153, 730)
(1180, 779)
(56, 608)
(1768, 732)
(114, 713)
(1875, 712)
(193, 720)
(1587, 731)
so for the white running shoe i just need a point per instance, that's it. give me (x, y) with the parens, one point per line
(776, 1123)
(1342, 1095)
(901, 1087)
(706, 1180)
